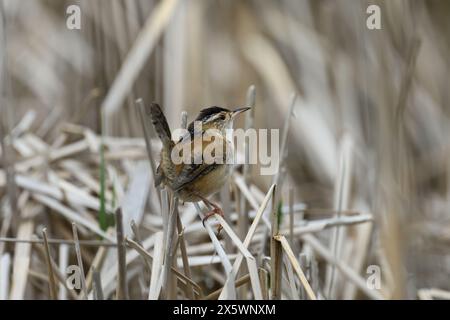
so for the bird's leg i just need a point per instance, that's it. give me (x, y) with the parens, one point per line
(216, 210)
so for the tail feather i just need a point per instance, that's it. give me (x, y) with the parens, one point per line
(160, 124)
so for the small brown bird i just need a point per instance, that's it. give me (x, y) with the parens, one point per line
(193, 181)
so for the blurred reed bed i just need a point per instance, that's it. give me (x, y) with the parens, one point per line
(363, 118)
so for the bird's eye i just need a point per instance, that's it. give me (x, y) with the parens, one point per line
(222, 117)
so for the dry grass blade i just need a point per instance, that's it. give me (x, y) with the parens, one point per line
(79, 261)
(110, 275)
(158, 258)
(184, 256)
(183, 278)
(345, 270)
(60, 276)
(433, 293)
(252, 229)
(363, 235)
(169, 249)
(323, 224)
(342, 192)
(229, 291)
(251, 261)
(71, 215)
(63, 264)
(122, 284)
(136, 196)
(22, 253)
(98, 290)
(239, 282)
(263, 276)
(145, 276)
(96, 264)
(61, 242)
(294, 262)
(52, 284)
(276, 255)
(291, 279)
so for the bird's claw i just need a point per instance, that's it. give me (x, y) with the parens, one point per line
(212, 213)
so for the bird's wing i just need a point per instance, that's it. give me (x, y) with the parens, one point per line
(191, 171)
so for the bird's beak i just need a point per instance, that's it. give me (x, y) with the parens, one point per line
(239, 110)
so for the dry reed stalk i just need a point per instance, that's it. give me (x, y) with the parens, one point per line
(239, 282)
(134, 201)
(60, 276)
(38, 275)
(251, 232)
(341, 202)
(22, 253)
(164, 210)
(96, 264)
(6, 223)
(158, 258)
(167, 279)
(433, 294)
(69, 214)
(278, 178)
(184, 256)
(136, 57)
(294, 292)
(275, 254)
(98, 290)
(5, 264)
(54, 155)
(84, 293)
(263, 278)
(294, 262)
(345, 270)
(359, 254)
(122, 283)
(110, 274)
(323, 224)
(182, 278)
(229, 291)
(243, 221)
(7, 162)
(63, 254)
(251, 261)
(59, 242)
(225, 198)
(147, 270)
(52, 284)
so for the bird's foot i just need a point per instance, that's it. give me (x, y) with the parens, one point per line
(214, 211)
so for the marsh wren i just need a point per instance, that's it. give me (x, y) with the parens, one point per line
(194, 180)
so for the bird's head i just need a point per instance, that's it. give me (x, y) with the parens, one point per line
(218, 118)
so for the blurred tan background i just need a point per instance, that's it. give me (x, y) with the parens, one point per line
(382, 94)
